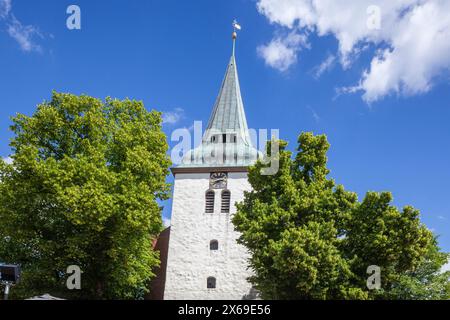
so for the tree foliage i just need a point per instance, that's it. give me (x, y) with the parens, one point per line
(311, 239)
(426, 282)
(82, 190)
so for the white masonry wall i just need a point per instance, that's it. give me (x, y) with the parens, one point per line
(190, 261)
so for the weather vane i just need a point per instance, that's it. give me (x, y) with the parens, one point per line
(236, 27)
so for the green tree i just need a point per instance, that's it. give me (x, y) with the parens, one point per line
(311, 239)
(427, 281)
(83, 190)
(379, 234)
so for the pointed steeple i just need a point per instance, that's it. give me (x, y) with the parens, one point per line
(228, 115)
(226, 141)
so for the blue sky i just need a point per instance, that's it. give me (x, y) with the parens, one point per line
(382, 101)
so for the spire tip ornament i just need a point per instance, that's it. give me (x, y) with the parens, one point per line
(236, 27)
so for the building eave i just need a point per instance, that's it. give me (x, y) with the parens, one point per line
(205, 169)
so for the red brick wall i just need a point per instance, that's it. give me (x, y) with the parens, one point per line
(157, 285)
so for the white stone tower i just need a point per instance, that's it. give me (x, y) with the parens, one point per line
(204, 260)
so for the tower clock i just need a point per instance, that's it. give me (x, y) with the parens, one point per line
(218, 180)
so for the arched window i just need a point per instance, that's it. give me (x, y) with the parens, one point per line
(209, 206)
(214, 245)
(211, 283)
(226, 195)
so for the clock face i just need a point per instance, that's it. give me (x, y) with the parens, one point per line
(218, 180)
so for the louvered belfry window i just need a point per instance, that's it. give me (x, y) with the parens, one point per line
(226, 195)
(209, 207)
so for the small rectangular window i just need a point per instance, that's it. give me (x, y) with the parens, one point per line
(214, 245)
(211, 283)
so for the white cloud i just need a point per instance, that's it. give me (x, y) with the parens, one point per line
(413, 40)
(24, 35)
(446, 267)
(173, 117)
(326, 65)
(166, 222)
(314, 114)
(5, 8)
(281, 52)
(8, 160)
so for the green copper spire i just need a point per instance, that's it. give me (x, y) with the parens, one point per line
(228, 114)
(226, 141)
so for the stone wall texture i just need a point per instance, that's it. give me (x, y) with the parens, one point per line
(190, 260)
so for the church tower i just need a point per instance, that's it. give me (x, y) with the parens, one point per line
(204, 260)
